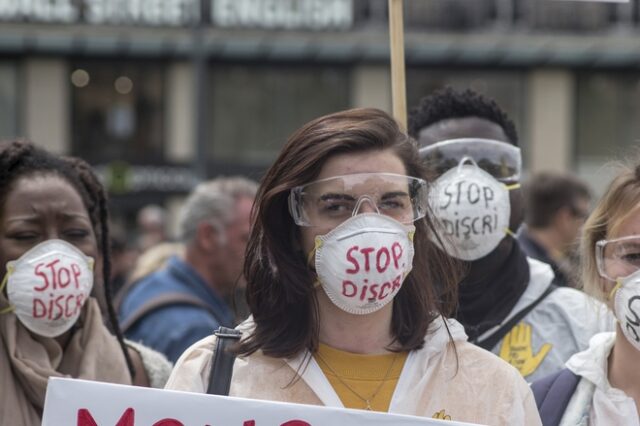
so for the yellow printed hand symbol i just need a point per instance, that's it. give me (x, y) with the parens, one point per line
(441, 415)
(516, 350)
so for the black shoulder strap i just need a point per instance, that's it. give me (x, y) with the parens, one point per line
(496, 337)
(162, 300)
(222, 363)
(553, 393)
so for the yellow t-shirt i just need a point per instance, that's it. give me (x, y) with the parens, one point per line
(358, 379)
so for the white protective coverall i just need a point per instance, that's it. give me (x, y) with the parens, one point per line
(474, 386)
(558, 327)
(595, 401)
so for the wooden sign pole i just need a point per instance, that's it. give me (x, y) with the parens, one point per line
(398, 85)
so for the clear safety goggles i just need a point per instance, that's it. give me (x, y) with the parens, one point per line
(618, 258)
(329, 202)
(501, 160)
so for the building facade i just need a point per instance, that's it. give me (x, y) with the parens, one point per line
(160, 93)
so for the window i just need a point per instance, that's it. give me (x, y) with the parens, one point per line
(254, 109)
(117, 111)
(607, 126)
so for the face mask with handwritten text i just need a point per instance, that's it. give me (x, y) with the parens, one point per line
(472, 209)
(362, 263)
(627, 307)
(48, 286)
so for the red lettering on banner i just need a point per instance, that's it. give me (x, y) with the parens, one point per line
(168, 422)
(396, 251)
(86, 419)
(128, 419)
(382, 267)
(353, 261)
(39, 273)
(349, 287)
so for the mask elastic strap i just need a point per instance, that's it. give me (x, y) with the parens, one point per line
(317, 245)
(312, 253)
(513, 186)
(3, 284)
(614, 289)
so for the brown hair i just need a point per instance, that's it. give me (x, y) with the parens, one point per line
(280, 290)
(621, 200)
(545, 194)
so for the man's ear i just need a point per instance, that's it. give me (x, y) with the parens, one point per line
(206, 236)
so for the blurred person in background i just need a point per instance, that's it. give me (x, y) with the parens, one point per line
(508, 302)
(180, 304)
(150, 261)
(54, 252)
(123, 259)
(601, 386)
(152, 226)
(556, 206)
(346, 289)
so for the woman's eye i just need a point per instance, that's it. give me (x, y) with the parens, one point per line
(394, 203)
(76, 233)
(391, 204)
(632, 258)
(335, 207)
(24, 236)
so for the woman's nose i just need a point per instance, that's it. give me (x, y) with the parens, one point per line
(52, 234)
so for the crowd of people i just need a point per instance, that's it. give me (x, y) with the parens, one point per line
(371, 268)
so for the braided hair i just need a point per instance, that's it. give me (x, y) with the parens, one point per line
(448, 103)
(20, 158)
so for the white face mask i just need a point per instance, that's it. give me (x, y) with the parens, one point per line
(48, 285)
(473, 210)
(627, 307)
(362, 263)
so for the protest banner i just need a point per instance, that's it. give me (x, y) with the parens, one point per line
(398, 85)
(83, 403)
(600, 1)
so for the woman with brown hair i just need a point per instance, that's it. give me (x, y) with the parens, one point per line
(348, 294)
(601, 385)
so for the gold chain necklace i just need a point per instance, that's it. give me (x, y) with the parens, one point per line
(367, 401)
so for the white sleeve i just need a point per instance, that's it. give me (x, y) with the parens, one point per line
(530, 410)
(191, 372)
